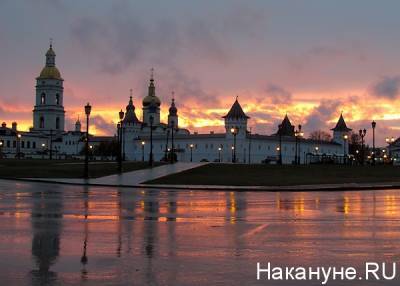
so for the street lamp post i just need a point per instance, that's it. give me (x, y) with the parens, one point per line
(19, 146)
(151, 141)
(373, 124)
(280, 143)
(121, 117)
(345, 138)
(219, 154)
(118, 156)
(191, 152)
(43, 149)
(362, 133)
(278, 150)
(143, 143)
(249, 146)
(1, 149)
(51, 145)
(172, 142)
(297, 135)
(234, 131)
(166, 146)
(88, 109)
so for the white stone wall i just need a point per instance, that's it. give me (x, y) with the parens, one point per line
(206, 148)
(338, 137)
(29, 144)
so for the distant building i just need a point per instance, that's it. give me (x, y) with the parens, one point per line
(48, 131)
(214, 147)
(169, 139)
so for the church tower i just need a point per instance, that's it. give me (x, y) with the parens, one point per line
(341, 134)
(151, 104)
(78, 126)
(48, 113)
(173, 114)
(236, 120)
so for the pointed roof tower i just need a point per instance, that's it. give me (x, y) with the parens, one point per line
(173, 110)
(236, 112)
(341, 125)
(130, 115)
(78, 125)
(286, 127)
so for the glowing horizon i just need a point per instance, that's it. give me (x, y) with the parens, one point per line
(304, 62)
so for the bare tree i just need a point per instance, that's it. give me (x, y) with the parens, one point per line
(320, 135)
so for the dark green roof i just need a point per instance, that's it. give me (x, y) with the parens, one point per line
(236, 112)
(286, 128)
(341, 125)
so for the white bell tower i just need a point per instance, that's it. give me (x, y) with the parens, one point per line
(48, 113)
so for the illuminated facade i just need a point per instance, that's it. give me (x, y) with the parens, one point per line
(236, 144)
(48, 131)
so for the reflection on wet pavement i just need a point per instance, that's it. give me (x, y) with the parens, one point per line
(72, 235)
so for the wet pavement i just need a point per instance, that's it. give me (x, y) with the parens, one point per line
(79, 235)
(133, 178)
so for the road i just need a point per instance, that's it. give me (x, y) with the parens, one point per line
(74, 235)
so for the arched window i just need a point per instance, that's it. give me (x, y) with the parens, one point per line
(41, 124)
(57, 99)
(57, 123)
(43, 98)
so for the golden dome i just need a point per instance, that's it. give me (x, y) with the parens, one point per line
(150, 100)
(50, 73)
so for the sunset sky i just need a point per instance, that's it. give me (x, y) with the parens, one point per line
(311, 59)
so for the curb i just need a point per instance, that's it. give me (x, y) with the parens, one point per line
(298, 188)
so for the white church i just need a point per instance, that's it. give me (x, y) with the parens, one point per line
(168, 140)
(236, 144)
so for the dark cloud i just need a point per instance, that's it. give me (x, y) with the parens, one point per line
(388, 87)
(278, 94)
(124, 36)
(102, 125)
(319, 116)
(120, 39)
(115, 43)
(188, 89)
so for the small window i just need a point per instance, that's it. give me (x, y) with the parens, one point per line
(8, 143)
(41, 124)
(34, 145)
(57, 123)
(43, 98)
(57, 99)
(22, 144)
(14, 144)
(28, 144)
